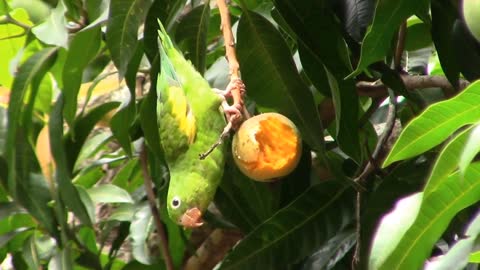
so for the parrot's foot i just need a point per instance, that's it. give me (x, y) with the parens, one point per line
(233, 113)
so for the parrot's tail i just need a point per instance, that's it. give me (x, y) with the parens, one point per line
(165, 40)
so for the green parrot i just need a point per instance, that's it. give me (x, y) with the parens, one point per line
(191, 118)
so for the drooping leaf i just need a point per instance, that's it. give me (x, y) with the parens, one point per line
(436, 123)
(467, 51)
(125, 18)
(405, 243)
(122, 121)
(388, 17)
(192, 33)
(268, 71)
(67, 191)
(311, 20)
(83, 48)
(443, 18)
(309, 221)
(54, 30)
(34, 67)
(457, 256)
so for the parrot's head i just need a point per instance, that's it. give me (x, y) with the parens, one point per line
(186, 205)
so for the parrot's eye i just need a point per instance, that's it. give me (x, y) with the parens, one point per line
(176, 202)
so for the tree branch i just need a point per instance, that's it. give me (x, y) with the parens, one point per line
(163, 243)
(230, 53)
(412, 82)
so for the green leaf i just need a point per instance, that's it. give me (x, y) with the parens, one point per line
(448, 160)
(67, 191)
(122, 121)
(467, 52)
(10, 46)
(192, 33)
(62, 260)
(314, 69)
(436, 123)
(54, 30)
(107, 193)
(313, 19)
(124, 19)
(457, 256)
(346, 113)
(474, 257)
(83, 127)
(243, 201)
(309, 221)
(6, 237)
(418, 34)
(407, 235)
(148, 111)
(140, 228)
(332, 251)
(444, 15)
(83, 48)
(97, 11)
(389, 14)
(30, 254)
(34, 67)
(272, 79)
(470, 149)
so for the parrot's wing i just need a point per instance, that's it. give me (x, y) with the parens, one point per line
(176, 120)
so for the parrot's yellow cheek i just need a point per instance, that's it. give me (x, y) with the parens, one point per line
(267, 146)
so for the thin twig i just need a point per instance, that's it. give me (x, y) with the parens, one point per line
(234, 71)
(163, 242)
(377, 156)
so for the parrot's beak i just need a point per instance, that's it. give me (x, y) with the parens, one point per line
(192, 218)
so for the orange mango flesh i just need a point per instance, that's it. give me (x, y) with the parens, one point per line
(278, 144)
(277, 149)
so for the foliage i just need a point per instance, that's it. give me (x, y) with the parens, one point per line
(78, 102)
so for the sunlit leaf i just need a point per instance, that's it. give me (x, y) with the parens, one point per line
(436, 123)
(407, 235)
(457, 256)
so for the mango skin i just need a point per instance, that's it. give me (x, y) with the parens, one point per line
(267, 147)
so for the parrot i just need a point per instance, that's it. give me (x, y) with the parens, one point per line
(191, 117)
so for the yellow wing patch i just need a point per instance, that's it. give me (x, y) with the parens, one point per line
(182, 112)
